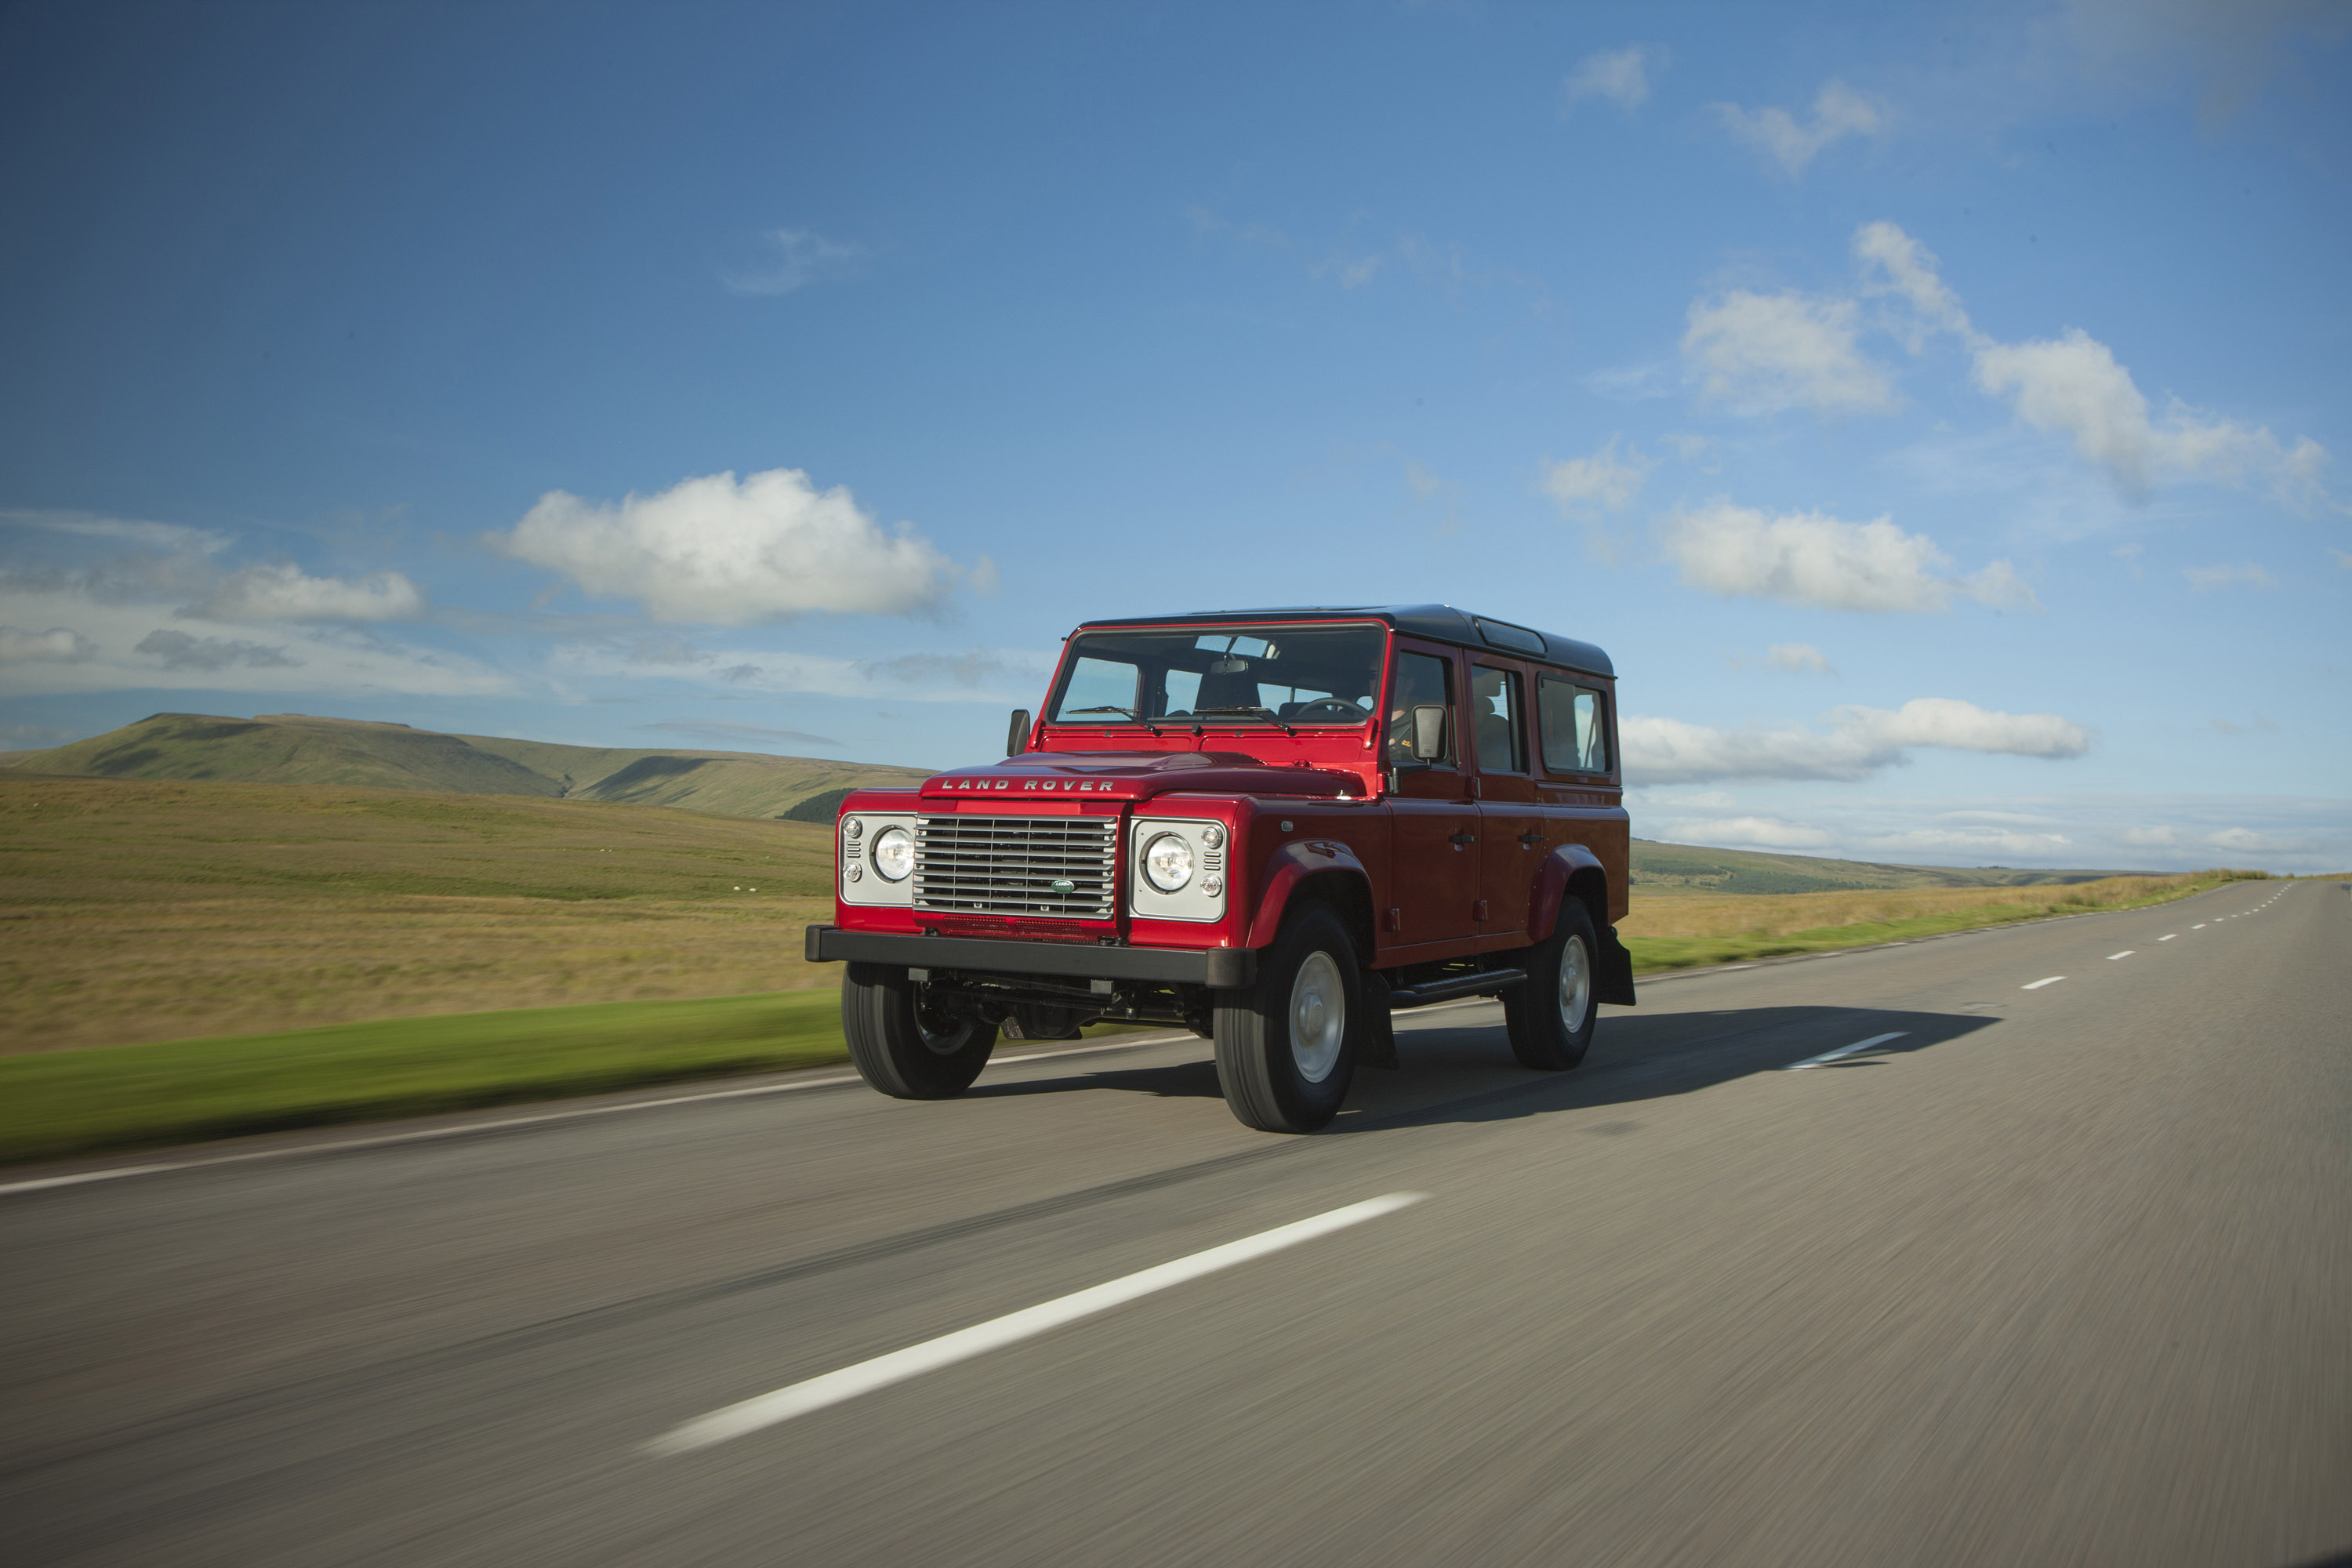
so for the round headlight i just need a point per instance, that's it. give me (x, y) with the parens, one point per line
(893, 854)
(1168, 862)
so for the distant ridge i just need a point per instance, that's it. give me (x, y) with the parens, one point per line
(300, 749)
(1685, 869)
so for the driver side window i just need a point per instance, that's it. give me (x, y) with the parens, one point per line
(1420, 679)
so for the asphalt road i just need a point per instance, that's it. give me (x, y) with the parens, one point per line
(2058, 1275)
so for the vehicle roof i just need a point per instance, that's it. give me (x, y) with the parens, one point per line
(1440, 623)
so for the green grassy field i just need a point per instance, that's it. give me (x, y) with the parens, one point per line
(194, 959)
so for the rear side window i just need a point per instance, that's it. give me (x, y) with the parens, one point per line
(1574, 739)
(1495, 708)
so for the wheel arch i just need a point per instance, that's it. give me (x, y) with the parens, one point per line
(1321, 871)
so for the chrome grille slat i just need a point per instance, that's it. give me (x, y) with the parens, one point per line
(1007, 864)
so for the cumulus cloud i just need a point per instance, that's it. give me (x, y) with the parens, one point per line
(1760, 832)
(2072, 385)
(720, 730)
(284, 591)
(2221, 576)
(1812, 558)
(1861, 742)
(58, 644)
(1759, 353)
(797, 258)
(715, 552)
(178, 650)
(1621, 76)
(1839, 112)
(1584, 487)
(1793, 658)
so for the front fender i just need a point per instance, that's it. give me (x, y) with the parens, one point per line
(1286, 868)
(1551, 886)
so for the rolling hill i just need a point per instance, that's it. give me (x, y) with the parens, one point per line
(1664, 868)
(299, 749)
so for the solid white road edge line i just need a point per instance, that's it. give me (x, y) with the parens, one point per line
(833, 1387)
(2038, 984)
(574, 1113)
(1845, 1051)
(2124, 954)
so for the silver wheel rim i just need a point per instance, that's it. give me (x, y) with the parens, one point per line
(1575, 985)
(1319, 1016)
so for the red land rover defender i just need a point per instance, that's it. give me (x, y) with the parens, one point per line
(1271, 825)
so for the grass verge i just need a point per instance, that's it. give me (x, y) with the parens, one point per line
(122, 1097)
(1656, 953)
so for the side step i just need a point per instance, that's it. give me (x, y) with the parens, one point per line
(1485, 982)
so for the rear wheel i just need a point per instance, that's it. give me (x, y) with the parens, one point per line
(904, 1047)
(1282, 1044)
(1551, 1017)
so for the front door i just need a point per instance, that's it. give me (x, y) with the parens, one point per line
(1433, 859)
(1512, 837)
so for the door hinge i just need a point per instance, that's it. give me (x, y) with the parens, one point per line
(1394, 920)
(1478, 910)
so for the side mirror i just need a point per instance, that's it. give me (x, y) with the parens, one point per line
(1016, 737)
(1428, 732)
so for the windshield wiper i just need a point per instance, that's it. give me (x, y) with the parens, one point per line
(1253, 709)
(1123, 712)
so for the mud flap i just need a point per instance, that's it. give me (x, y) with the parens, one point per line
(1615, 980)
(1372, 1041)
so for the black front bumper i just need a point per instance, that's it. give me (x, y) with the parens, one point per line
(1223, 968)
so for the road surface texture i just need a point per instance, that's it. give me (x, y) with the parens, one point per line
(2047, 1273)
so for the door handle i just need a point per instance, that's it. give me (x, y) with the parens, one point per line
(1466, 838)
(1531, 839)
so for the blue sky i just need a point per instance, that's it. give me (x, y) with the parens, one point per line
(1941, 414)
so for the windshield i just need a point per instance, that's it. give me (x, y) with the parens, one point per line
(1268, 675)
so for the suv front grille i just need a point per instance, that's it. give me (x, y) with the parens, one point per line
(1008, 865)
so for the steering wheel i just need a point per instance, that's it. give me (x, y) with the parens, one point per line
(1335, 708)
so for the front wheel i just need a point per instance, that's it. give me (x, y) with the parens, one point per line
(1551, 1017)
(1282, 1044)
(903, 1047)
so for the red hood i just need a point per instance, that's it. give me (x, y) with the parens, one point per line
(1132, 775)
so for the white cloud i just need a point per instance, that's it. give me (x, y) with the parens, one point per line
(1621, 76)
(1838, 111)
(1760, 832)
(2071, 385)
(2343, 557)
(58, 644)
(169, 537)
(178, 650)
(1894, 263)
(1759, 353)
(713, 552)
(720, 730)
(1792, 658)
(132, 646)
(1861, 742)
(1010, 676)
(801, 257)
(2221, 576)
(284, 591)
(1582, 487)
(1811, 558)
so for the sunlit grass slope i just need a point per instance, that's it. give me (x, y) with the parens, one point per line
(299, 749)
(160, 911)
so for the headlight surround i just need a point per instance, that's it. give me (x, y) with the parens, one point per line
(1168, 862)
(893, 853)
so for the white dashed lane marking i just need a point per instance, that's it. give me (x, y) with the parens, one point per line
(881, 1372)
(1843, 1051)
(2124, 954)
(2038, 984)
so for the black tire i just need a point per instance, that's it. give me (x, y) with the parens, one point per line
(1282, 1053)
(1551, 1017)
(900, 1046)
